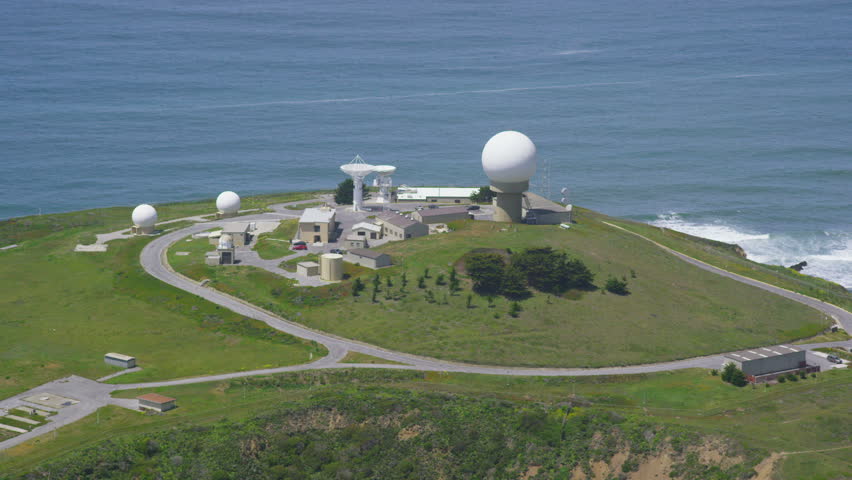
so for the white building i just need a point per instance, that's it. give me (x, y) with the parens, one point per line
(435, 194)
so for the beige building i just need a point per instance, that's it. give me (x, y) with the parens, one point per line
(307, 269)
(356, 241)
(367, 230)
(317, 225)
(538, 210)
(397, 227)
(156, 402)
(435, 194)
(239, 232)
(368, 258)
(441, 215)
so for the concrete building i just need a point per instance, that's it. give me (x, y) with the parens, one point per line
(355, 241)
(435, 194)
(307, 269)
(120, 360)
(368, 258)
(156, 402)
(240, 233)
(398, 227)
(765, 364)
(367, 230)
(441, 215)
(225, 253)
(541, 211)
(317, 225)
(331, 267)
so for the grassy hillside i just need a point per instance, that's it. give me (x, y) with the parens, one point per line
(463, 426)
(675, 310)
(728, 257)
(62, 311)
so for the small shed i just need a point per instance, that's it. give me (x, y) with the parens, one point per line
(307, 269)
(367, 230)
(120, 360)
(239, 231)
(156, 402)
(368, 258)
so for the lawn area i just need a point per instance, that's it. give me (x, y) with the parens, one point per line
(62, 311)
(356, 357)
(839, 336)
(811, 414)
(290, 265)
(276, 244)
(675, 310)
(725, 256)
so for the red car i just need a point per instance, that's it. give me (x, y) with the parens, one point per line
(300, 247)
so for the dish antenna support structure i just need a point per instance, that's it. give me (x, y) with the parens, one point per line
(384, 182)
(358, 169)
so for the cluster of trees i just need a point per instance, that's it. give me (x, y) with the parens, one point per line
(483, 195)
(733, 375)
(543, 269)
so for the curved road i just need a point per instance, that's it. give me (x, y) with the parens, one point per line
(153, 260)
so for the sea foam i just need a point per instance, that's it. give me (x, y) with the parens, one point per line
(829, 255)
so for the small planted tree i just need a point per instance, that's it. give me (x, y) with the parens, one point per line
(357, 287)
(454, 280)
(469, 300)
(616, 286)
(376, 282)
(388, 282)
(515, 309)
(404, 280)
(421, 282)
(439, 280)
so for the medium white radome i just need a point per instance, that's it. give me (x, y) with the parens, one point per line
(509, 157)
(228, 202)
(144, 216)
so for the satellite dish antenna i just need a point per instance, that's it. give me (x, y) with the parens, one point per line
(357, 169)
(564, 189)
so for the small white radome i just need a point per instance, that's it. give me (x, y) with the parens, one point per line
(144, 216)
(228, 202)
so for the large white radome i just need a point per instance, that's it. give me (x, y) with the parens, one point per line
(228, 202)
(509, 157)
(144, 216)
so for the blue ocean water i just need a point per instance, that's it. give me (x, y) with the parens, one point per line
(726, 119)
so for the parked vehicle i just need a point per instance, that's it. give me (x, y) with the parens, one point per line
(298, 242)
(337, 250)
(300, 246)
(834, 359)
(473, 207)
(433, 206)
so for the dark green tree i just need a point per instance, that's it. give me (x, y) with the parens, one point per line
(439, 280)
(469, 300)
(344, 193)
(388, 282)
(357, 287)
(616, 286)
(404, 280)
(550, 271)
(486, 271)
(515, 309)
(483, 195)
(514, 284)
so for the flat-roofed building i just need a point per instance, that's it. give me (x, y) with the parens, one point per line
(355, 241)
(538, 210)
(317, 225)
(307, 269)
(156, 402)
(399, 227)
(120, 360)
(240, 233)
(441, 215)
(368, 258)
(767, 363)
(435, 194)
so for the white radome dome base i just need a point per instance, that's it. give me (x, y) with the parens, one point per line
(509, 157)
(228, 202)
(144, 216)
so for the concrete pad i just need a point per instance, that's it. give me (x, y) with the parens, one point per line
(265, 227)
(181, 254)
(22, 419)
(51, 400)
(95, 247)
(7, 247)
(11, 428)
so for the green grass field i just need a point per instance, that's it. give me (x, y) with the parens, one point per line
(675, 310)
(804, 416)
(276, 244)
(62, 311)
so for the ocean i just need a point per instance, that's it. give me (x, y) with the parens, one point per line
(730, 120)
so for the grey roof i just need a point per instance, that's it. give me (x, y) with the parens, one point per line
(367, 226)
(397, 220)
(432, 212)
(316, 215)
(236, 227)
(308, 264)
(366, 253)
(762, 352)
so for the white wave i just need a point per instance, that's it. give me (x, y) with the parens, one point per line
(576, 52)
(829, 256)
